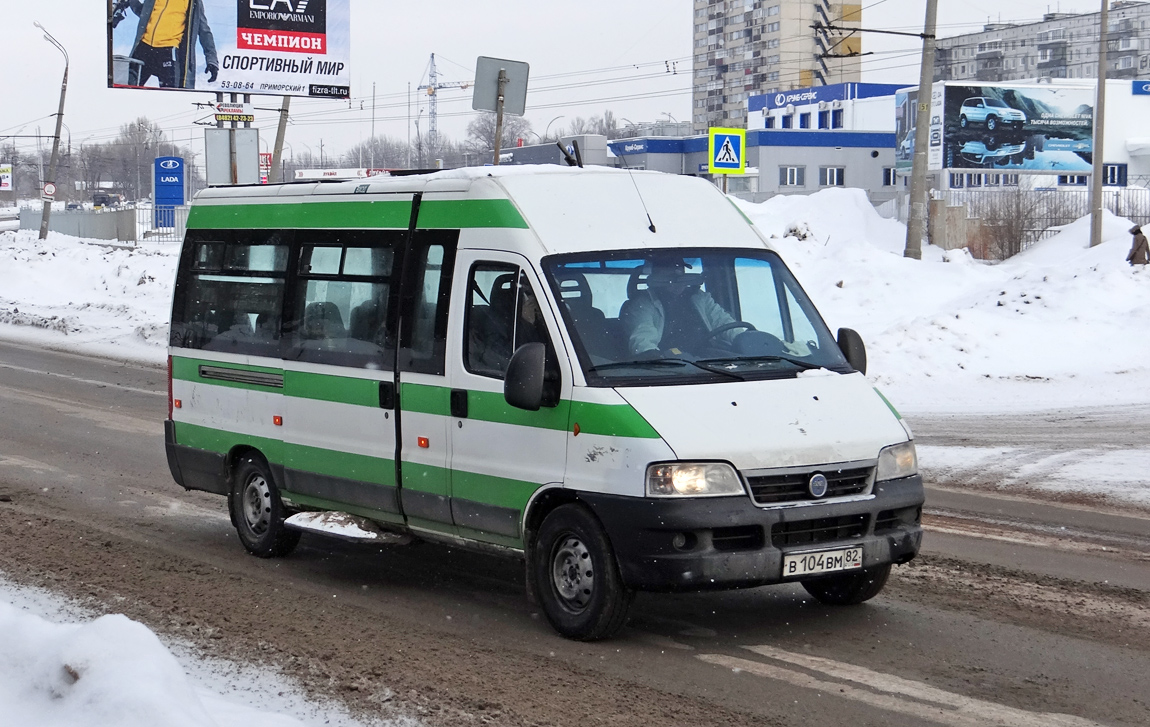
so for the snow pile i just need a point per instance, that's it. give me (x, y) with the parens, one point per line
(111, 671)
(1061, 324)
(101, 298)
(61, 668)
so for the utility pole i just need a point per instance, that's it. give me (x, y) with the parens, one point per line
(373, 124)
(918, 202)
(1099, 130)
(277, 172)
(55, 141)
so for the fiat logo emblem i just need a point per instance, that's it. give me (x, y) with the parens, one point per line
(817, 485)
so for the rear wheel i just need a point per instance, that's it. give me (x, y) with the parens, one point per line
(258, 512)
(576, 577)
(849, 589)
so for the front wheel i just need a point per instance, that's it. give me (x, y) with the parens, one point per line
(258, 512)
(848, 589)
(991, 123)
(576, 577)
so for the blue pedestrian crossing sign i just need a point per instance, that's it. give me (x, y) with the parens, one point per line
(726, 151)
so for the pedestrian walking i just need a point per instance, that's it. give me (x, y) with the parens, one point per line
(1140, 250)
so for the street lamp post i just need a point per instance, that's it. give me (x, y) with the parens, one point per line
(56, 141)
(548, 128)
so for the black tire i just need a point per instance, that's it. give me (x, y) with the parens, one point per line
(962, 121)
(991, 123)
(848, 589)
(581, 603)
(257, 511)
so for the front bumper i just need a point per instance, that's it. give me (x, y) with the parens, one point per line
(729, 542)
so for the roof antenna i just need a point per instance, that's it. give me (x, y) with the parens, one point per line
(650, 227)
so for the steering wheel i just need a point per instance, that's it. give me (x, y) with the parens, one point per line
(727, 327)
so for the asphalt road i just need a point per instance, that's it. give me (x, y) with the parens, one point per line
(1018, 612)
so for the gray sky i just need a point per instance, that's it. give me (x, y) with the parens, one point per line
(585, 57)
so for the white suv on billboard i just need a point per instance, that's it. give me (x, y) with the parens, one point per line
(989, 111)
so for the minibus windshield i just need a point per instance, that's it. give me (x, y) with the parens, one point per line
(688, 315)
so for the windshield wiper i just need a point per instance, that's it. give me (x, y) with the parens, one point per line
(662, 362)
(759, 359)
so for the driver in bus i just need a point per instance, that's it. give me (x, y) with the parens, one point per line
(673, 314)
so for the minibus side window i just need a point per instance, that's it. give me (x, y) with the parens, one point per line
(343, 300)
(502, 314)
(428, 292)
(229, 299)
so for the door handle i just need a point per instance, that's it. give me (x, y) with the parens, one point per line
(387, 395)
(459, 403)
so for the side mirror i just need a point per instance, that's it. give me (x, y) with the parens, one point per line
(851, 344)
(523, 382)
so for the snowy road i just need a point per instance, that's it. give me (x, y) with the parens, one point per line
(1020, 612)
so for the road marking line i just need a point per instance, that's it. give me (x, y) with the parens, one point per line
(893, 694)
(122, 387)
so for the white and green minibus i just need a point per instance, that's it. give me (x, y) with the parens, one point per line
(608, 374)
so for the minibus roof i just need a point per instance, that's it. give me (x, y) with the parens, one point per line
(570, 210)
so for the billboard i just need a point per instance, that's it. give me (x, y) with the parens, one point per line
(6, 178)
(1033, 129)
(273, 47)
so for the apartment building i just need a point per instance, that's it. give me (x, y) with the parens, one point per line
(750, 47)
(1062, 45)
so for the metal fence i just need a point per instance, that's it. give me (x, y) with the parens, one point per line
(124, 224)
(161, 224)
(1036, 214)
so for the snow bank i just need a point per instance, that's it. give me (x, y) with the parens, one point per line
(83, 295)
(111, 671)
(60, 667)
(1061, 324)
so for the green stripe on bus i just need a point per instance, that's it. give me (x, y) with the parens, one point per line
(489, 406)
(337, 389)
(369, 214)
(465, 213)
(888, 405)
(491, 490)
(740, 211)
(188, 369)
(360, 467)
(611, 420)
(222, 442)
(425, 399)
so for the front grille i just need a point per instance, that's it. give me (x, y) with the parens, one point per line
(771, 489)
(747, 537)
(894, 519)
(820, 530)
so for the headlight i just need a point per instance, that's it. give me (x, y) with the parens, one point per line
(899, 460)
(693, 479)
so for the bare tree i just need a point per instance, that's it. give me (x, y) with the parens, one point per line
(481, 131)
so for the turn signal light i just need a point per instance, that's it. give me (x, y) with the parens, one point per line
(178, 403)
(278, 421)
(423, 442)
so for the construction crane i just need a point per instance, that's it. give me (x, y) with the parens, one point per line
(432, 87)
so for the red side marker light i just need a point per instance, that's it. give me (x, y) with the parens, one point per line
(178, 403)
(577, 429)
(278, 421)
(423, 442)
